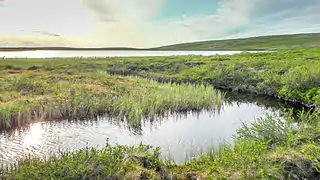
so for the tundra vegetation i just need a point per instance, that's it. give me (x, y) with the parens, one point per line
(135, 89)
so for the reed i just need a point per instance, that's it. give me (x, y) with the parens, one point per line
(98, 93)
(110, 162)
(165, 99)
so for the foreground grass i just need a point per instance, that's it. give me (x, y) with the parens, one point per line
(112, 162)
(269, 149)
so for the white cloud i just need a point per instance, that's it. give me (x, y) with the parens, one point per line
(124, 10)
(245, 18)
(67, 18)
(131, 23)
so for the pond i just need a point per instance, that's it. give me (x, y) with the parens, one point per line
(101, 53)
(179, 136)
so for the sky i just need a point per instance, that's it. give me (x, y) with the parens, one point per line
(149, 23)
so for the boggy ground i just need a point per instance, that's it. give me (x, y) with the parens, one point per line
(270, 149)
(273, 148)
(290, 74)
(34, 95)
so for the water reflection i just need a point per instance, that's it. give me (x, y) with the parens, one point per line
(267, 102)
(177, 135)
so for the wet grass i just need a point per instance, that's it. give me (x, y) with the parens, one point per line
(288, 74)
(31, 96)
(269, 149)
(112, 162)
(272, 148)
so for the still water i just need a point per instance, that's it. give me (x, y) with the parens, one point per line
(178, 136)
(53, 53)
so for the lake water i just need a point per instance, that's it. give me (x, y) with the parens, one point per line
(178, 136)
(53, 53)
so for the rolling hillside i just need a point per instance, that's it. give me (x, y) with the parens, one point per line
(294, 41)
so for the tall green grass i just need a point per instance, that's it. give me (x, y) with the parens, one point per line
(271, 148)
(79, 97)
(165, 99)
(291, 74)
(110, 162)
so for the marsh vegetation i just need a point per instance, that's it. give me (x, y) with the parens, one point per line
(79, 88)
(33, 96)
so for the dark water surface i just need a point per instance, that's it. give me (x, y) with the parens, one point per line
(178, 136)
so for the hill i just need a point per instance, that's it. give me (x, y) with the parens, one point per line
(293, 41)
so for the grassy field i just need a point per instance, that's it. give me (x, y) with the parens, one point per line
(272, 148)
(275, 42)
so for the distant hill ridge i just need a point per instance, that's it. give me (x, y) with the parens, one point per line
(292, 41)
(273, 42)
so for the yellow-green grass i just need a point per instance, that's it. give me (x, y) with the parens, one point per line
(31, 96)
(288, 74)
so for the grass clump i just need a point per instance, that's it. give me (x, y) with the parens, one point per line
(164, 99)
(36, 96)
(110, 162)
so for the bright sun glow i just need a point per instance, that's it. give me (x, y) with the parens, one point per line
(33, 136)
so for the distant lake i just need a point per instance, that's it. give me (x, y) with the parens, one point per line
(119, 53)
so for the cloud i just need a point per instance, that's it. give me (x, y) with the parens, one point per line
(287, 8)
(243, 18)
(136, 22)
(47, 33)
(133, 20)
(123, 10)
(230, 15)
(44, 33)
(282, 17)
